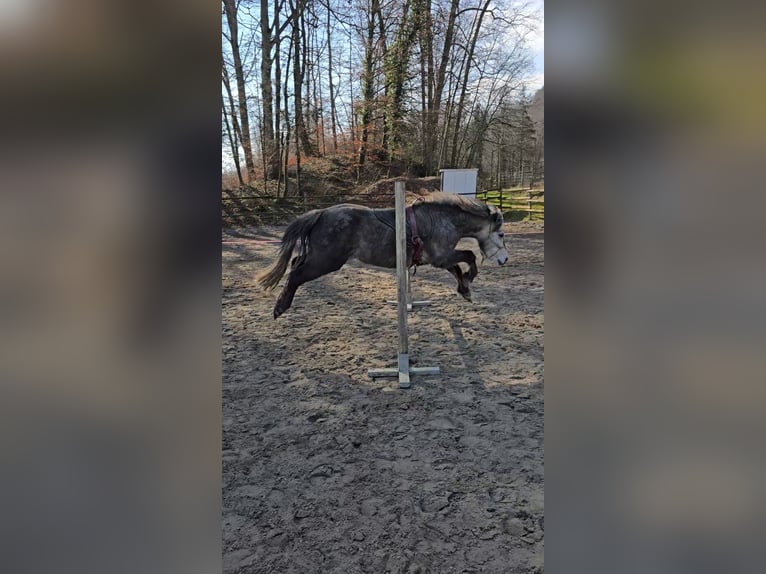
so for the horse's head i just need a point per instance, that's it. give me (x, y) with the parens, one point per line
(491, 241)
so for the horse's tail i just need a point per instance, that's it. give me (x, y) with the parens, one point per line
(298, 229)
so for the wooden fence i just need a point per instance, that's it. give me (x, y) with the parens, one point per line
(249, 209)
(519, 203)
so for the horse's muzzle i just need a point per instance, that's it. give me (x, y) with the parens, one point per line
(502, 257)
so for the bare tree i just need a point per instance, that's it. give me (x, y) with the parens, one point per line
(397, 61)
(466, 67)
(436, 84)
(232, 128)
(431, 82)
(230, 8)
(333, 113)
(368, 80)
(267, 98)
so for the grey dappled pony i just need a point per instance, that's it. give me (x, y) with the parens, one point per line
(331, 236)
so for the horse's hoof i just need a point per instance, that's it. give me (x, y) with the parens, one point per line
(467, 296)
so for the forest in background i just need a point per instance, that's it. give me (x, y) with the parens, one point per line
(357, 90)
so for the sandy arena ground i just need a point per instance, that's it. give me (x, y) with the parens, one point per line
(326, 470)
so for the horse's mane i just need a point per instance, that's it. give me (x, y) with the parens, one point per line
(466, 204)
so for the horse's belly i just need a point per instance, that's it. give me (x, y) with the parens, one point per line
(389, 262)
(375, 244)
(377, 260)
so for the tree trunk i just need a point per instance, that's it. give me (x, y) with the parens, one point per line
(298, 40)
(396, 64)
(319, 105)
(278, 140)
(434, 108)
(427, 88)
(352, 115)
(309, 149)
(237, 132)
(466, 69)
(367, 83)
(230, 8)
(423, 102)
(287, 119)
(295, 44)
(447, 119)
(267, 98)
(232, 141)
(332, 87)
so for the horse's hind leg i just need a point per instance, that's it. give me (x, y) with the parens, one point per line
(304, 271)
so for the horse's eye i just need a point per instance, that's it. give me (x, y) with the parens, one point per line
(501, 235)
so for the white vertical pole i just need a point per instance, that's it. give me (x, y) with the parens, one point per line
(402, 280)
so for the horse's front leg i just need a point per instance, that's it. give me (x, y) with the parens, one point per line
(450, 261)
(473, 269)
(459, 256)
(462, 285)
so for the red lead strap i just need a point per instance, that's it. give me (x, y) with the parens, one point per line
(417, 243)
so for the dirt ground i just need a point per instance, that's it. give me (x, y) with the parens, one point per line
(326, 470)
